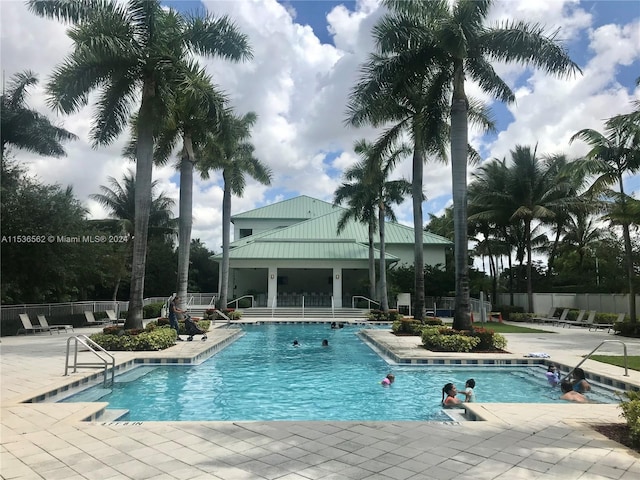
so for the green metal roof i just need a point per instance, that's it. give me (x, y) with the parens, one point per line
(301, 249)
(324, 227)
(298, 208)
(316, 237)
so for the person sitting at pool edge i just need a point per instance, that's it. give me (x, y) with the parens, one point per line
(569, 394)
(580, 384)
(553, 377)
(450, 391)
(388, 380)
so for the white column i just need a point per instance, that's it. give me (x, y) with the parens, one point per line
(272, 285)
(337, 287)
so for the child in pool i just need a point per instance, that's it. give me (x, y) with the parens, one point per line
(553, 377)
(450, 391)
(388, 380)
(580, 383)
(468, 392)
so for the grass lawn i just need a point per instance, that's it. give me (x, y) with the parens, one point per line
(504, 328)
(633, 361)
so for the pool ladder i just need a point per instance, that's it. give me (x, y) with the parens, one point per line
(624, 347)
(97, 350)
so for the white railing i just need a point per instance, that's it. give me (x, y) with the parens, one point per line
(368, 300)
(238, 299)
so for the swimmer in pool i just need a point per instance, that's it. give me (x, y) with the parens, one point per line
(388, 380)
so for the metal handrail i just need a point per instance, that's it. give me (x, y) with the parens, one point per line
(353, 301)
(240, 298)
(624, 345)
(90, 344)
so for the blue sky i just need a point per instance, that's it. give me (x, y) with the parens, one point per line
(306, 59)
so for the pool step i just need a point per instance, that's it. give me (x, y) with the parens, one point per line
(112, 414)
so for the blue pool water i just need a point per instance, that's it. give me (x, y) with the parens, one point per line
(262, 376)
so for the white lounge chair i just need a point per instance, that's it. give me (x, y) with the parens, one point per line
(549, 316)
(577, 321)
(27, 326)
(43, 323)
(595, 326)
(91, 320)
(556, 320)
(111, 315)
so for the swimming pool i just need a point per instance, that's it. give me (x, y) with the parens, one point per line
(262, 376)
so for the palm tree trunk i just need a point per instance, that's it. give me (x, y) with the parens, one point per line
(416, 192)
(226, 231)
(186, 216)
(459, 143)
(527, 232)
(144, 171)
(628, 250)
(372, 264)
(384, 298)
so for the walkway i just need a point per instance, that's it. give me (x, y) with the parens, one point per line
(47, 440)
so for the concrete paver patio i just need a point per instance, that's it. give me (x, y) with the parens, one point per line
(516, 441)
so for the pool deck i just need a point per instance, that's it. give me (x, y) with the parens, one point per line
(516, 441)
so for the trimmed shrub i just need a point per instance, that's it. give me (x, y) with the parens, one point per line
(489, 340)
(631, 412)
(626, 328)
(153, 310)
(432, 321)
(520, 317)
(407, 326)
(508, 310)
(448, 343)
(164, 322)
(136, 340)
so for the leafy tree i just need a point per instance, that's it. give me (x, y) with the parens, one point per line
(203, 272)
(120, 200)
(613, 155)
(24, 128)
(130, 51)
(453, 42)
(229, 150)
(41, 259)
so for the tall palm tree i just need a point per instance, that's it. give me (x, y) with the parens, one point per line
(229, 150)
(369, 191)
(614, 154)
(455, 44)
(128, 51)
(119, 200)
(414, 104)
(24, 128)
(195, 111)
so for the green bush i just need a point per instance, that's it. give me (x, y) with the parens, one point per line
(520, 317)
(631, 412)
(380, 316)
(432, 321)
(448, 343)
(156, 339)
(164, 322)
(508, 310)
(626, 328)
(407, 326)
(489, 340)
(153, 310)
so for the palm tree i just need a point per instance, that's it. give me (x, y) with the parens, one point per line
(361, 208)
(453, 42)
(370, 190)
(128, 51)
(614, 154)
(119, 199)
(194, 114)
(24, 128)
(414, 103)
(229, 150)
